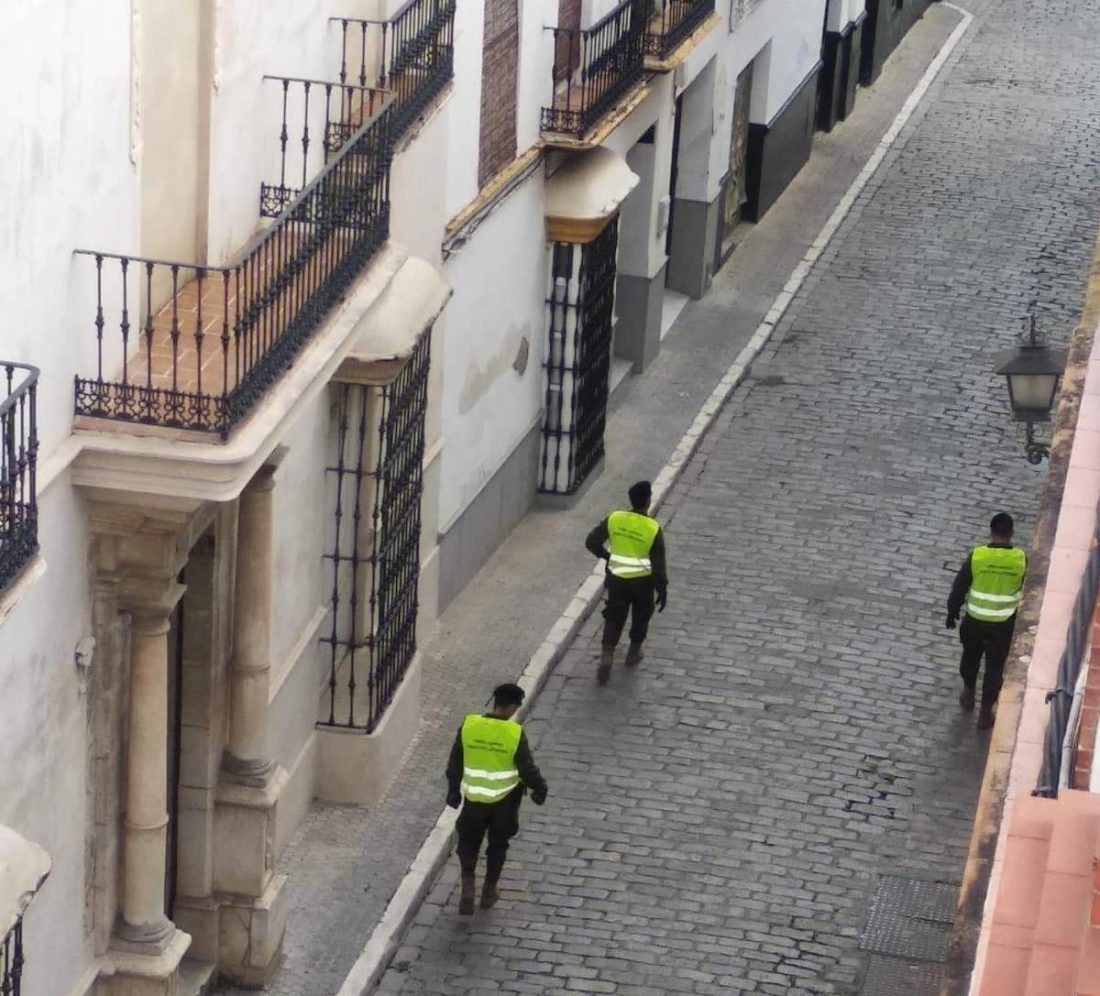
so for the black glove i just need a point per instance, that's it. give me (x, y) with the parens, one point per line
(662, 601)
(951, 620)
(538, 796)
(454, 798)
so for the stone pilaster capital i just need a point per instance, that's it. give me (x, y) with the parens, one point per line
(150, 603)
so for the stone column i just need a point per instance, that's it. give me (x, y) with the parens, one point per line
(251, 895)
(246, 757)
(143, 923)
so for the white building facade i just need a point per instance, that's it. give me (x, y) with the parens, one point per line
(308, 303)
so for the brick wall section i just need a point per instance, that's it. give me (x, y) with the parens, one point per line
(500, 57)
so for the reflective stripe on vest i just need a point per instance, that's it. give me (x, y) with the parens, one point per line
(997, 577)
(630, 538)
(489, 757)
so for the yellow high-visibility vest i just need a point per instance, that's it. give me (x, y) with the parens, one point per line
(630, 539)
(489, 757)
(997, 578)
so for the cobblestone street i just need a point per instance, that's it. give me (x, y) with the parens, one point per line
(779, 799)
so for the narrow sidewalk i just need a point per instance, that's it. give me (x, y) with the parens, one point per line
(346, 862)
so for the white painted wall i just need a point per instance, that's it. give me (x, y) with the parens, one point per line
(785, 35)
(486, 406)
(844, 12)
(281, 38)
(699, 172)
(641, 244)
(418, 201)
(302, 517)
(460, 176)
(68, 182)
(536, 64)
(71, 179)
(42, 751)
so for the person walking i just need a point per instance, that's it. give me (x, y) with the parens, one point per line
(633, 545)
(489, 770)
(988, 586)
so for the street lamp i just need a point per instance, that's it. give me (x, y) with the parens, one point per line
(1032, 371)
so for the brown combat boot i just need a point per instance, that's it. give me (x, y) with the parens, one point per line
(489, 895)
(607, 658)
(469, 890)
(634, 654)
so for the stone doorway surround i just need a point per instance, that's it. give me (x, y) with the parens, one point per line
(228, 910)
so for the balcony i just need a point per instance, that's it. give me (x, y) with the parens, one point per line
(595, 69)
(18, 465)
(411, 55)
(183, 345)
(673, 24)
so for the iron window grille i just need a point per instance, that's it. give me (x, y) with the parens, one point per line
(18, 470)
(672, 22)
(411, 55)
(595, 68)
(11, 961)
(378, 482)
(198, 346)
(581, 311)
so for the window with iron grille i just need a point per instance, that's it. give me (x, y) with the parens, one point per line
(581, 313)
(375, 558)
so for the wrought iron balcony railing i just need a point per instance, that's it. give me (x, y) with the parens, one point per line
(672, 22)
(596, 68)
(411, 55)
(11, 961)
(191, 346)
(329, 114)
(18, 467)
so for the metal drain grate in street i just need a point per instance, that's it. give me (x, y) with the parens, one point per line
(897, 977)
(910, 918)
